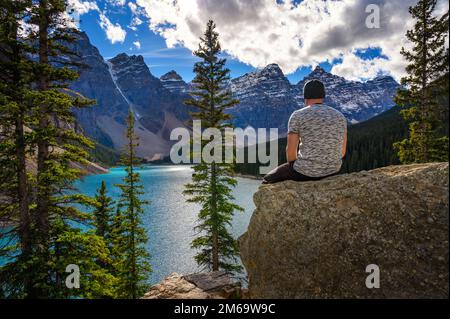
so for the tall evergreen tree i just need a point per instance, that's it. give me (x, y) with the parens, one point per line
(57, 143)
(37, 98)
(130, 237)
(428, 65)
(14, 142)
(212, 183)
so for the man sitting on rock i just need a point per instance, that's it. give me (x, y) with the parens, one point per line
(316, 141)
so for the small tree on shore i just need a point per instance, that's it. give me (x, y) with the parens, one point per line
(130, 238)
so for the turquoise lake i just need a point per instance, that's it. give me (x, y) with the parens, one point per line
(169, 219)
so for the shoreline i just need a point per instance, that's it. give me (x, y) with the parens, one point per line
(248, 176)
(105, 170)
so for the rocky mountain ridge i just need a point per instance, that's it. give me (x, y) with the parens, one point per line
(267, 98)
(174, 82)
(120, 84)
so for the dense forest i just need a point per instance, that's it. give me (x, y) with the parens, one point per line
(104, 155)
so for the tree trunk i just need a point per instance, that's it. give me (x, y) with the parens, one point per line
(132, 212)
(215, 231)
(423, 105)
(22, 180)
(43, 193)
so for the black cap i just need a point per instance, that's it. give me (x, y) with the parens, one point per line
(314, 89)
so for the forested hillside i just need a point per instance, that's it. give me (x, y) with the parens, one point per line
(370, 143)
(104, 155)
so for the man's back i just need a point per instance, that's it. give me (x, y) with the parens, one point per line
(322, 130)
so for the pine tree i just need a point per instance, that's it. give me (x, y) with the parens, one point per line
(38, 105)
(14, 177)
(90, 253)
(58, 145)
(131, 262)
(103, 212)
(103, 226)
(212, 183)
(428, 65)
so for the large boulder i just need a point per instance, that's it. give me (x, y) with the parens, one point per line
(205, 285)
(315, 239)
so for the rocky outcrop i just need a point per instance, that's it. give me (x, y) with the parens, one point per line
(211, 285)
(315, 239)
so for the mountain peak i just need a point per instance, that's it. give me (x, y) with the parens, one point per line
(384, 77)
(171, 76)
(174, 82)
(272, 71)
(80, 35)
(122, 57)
(319, 69)
(273, 67)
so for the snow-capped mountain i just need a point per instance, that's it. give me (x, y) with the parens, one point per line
(174, 82)
(267, 98)
(120, 84)
(358, 101)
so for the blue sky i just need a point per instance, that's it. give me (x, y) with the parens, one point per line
(157, 56)
(297, 35)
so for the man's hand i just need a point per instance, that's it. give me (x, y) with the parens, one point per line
(292, 147)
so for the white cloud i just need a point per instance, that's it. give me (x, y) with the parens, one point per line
(132, 6)
(76, 8)
(119, 3)
(137, 14)
(259, 32)
(82, 7)
(114, 32)
(137, 44)
(354, 68)
(134, 23)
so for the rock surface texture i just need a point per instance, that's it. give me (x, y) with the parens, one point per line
(212, 285)
(315, 239)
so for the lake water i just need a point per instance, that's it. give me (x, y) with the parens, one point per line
(169, 220)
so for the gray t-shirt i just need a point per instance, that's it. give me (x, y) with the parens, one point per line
(321, 129)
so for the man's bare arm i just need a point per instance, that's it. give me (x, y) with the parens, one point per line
(292, 147)
(344, 145)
